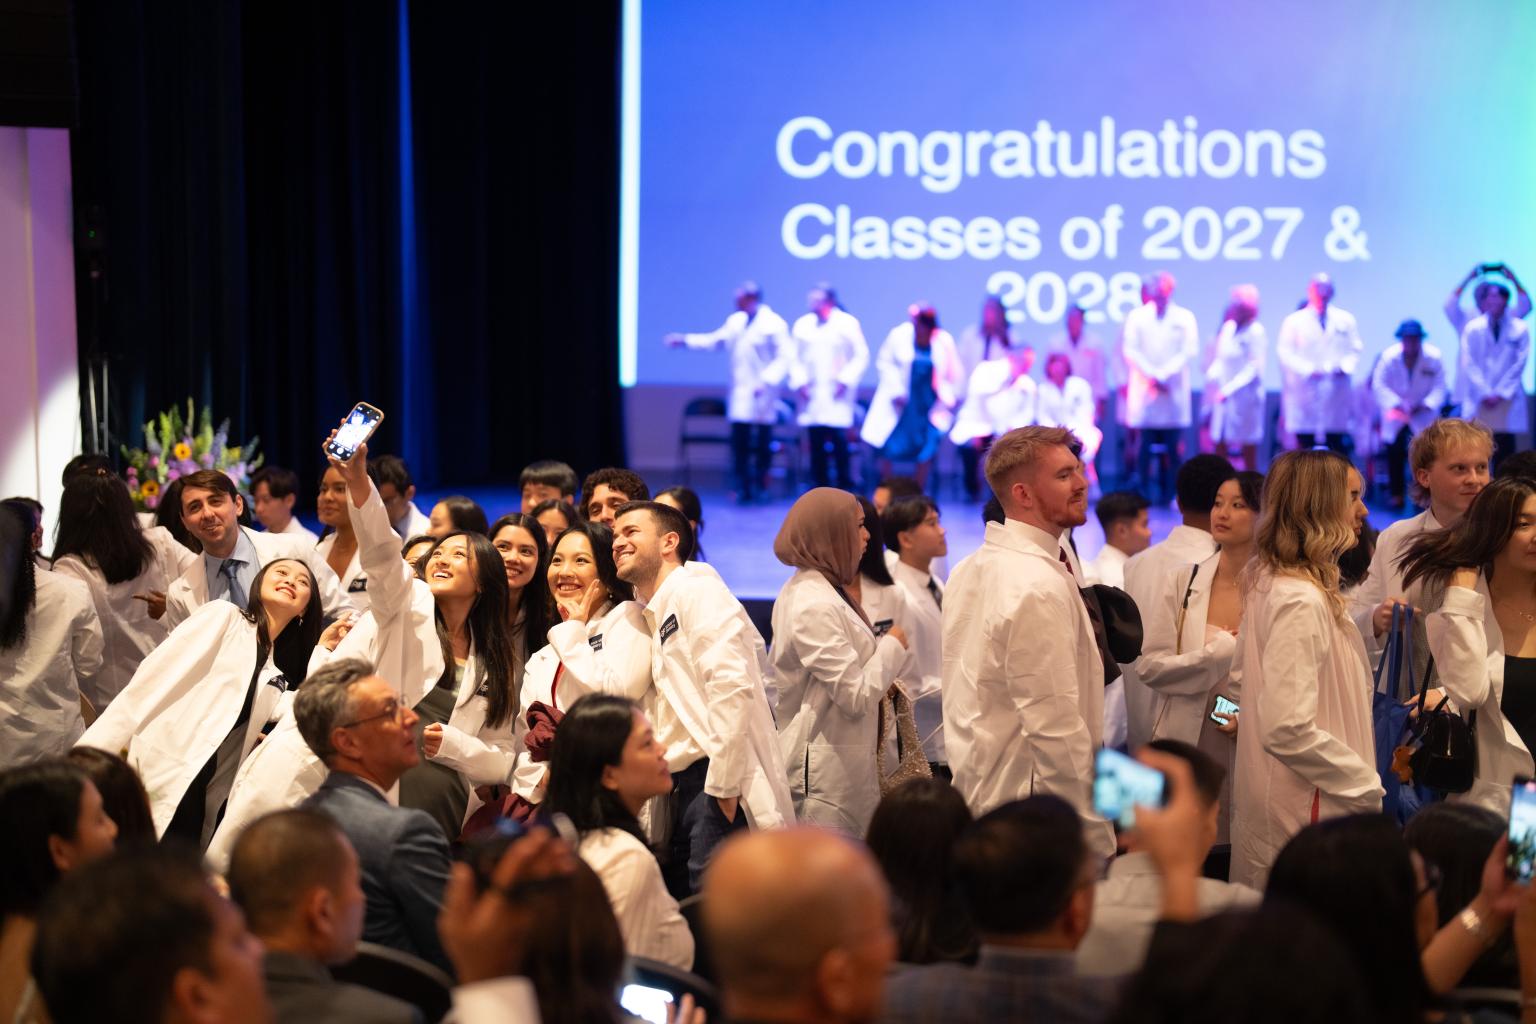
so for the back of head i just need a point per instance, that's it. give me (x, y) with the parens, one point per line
(111, 943)
(1440, 439)
(1274, 965)
(912, 835)
(898, 487)
(575, 953)
(1198, 481)
(549, 473)
(1355, 875)
(1304, 525)
(97, 524)
(324, 703)
(36, 801)
(1457, 839)
(277, 860)
(1208, 775)
(122, 794)
(1118, 505)
(466, 514)
(1521, 464)
(280, 480)
(85, 463)
(1039, 838)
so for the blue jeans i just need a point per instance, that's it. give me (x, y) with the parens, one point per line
(697, 828)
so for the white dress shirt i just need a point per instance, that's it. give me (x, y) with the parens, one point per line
(925, 638)
(1023, 685)
(1330, 346)
(1495, 368)
(1408, 398)
(46, 672)
(761, 358)
(829, 354)
(649, 920)
(1159, 350)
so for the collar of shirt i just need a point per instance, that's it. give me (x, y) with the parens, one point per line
(1192, 539)
(1013, 958)
(1111, 555)
(1430, 522)
(1032, 536)
(905, 573)
(244, 551)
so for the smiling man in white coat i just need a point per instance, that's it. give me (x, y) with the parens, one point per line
(1023, 684)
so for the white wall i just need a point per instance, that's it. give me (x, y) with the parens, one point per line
(39, 371)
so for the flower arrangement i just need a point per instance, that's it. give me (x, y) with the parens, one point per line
(173, 448)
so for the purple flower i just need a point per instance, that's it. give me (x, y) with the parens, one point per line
(154, 460)
(151, 501)
(172, 474)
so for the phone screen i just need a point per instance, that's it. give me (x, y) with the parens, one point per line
(1121, 784)
(359, 425)
(1522, 831)
(649, 1004)
(1223, 707)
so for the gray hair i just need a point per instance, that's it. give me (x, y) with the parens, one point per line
(325, 701)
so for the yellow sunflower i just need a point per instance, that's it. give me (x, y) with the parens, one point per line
(150, 488)
(181, 451)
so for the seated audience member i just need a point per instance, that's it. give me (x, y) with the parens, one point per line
(1123, 516)
(168, 516)
(339, 545)
(604, 490)
(456, 512)
(122, 795)
(398, 492)
(894, 488)
(232, 554)
(1457, 839)
(1028, 931)
(1128, 903)
(546, 480)
(54, 823)
(686, 501)
(142, 938)
(605, 763)
(912, 836)
(555, 515)
(354, 722)
(50, 653)
(415, 550)
(273, 493)
(127, 569)
(798, 923)
(85, 462)
(297, 878)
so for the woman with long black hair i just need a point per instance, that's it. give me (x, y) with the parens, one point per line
(605, 763)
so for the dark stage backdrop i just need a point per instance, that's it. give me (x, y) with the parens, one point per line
(297, 205)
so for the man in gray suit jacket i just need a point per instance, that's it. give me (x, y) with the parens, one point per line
(298, 881)
(356, 725)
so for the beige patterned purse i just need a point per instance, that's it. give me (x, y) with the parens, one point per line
(911, 762)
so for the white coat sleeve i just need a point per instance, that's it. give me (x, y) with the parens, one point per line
(858, 359)
(798, 374)
(86, 644)
(1349, 356)
(645, 909)
(1288, 351)
(1292, 662)
(1474, 385)
(1134, 355)
(821, 645)
(1458, 639)
(888, 376)
(378, 549)
(781, 368)
(1455, 314)
(1437, 394)
(486, 759)
(1191, 673)
(727, 662)
(1368, 597)
(1040, 666)
(1253, 366)
(714, 339)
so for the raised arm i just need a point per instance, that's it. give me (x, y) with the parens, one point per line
(378, 546)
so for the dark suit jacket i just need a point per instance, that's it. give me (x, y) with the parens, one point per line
(404, 860)
(303, 992)
(1004, 985)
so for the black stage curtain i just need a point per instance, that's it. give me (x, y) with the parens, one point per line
(252, 186)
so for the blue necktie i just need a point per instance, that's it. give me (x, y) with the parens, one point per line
(236, 595)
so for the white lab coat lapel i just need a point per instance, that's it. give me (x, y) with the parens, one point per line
(1181, 670)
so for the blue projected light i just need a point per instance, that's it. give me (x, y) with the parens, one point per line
(1053, 154)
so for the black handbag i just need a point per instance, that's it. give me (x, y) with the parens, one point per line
(1446, 758)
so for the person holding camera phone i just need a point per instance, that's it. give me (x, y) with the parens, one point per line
(1459, 317)
(1483, 635)
(914, 405)
(1494, 349)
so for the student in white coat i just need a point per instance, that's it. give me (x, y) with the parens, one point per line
(991, 338)
(1319, 348)
(274, 490)
(1409, 385)
(1483, 634)
(1086, 351)
(1494, 350)
(761, 358)
(919, 376)
(1189, 643)
(915, 535)
(1458, 316)
(199, 701)
(999, 397)
(601, 645)
(339, 545)
(711, 711)
(1449, 460)
(830, 670)
(232, 555)
(126, 568)
(1305, 748)
(1064, 400)
(1127, 530)
(830, 358)
(1161, 343)
(1023, 685)
(50, 652)
(1234, 381)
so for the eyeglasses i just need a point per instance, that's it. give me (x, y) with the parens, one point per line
(1432, 880)
(393, 709)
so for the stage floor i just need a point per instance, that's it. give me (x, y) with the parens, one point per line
(738, 541)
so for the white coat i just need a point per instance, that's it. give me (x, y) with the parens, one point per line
(1159, 350)
(1495, 369)
(974, 350)
(830, 673)
(184, 699)
(44, 675)
(827, 355)
(1070, 406)
(1087, 357)
(354, 581)
(1305, 749)
(996, 401)
(1468, 645)
(610, 653)
(1023, 686)
(1176, 663)
(1400, 392)
(923, 678)
(761, 358)
(1307, 345)
(708, 663)
(893, 367)
(128, 633)
(190, 589)
(1237, 373)
(298, 529)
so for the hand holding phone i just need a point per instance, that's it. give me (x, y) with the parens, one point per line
(1121, 784)
(1520, 862)
(1223, 708)
(358, 427)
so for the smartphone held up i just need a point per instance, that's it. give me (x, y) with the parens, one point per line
(358, 427)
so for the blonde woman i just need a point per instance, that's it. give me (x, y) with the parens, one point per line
(1304, 751)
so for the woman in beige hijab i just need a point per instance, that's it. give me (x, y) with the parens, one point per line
(829, 669)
